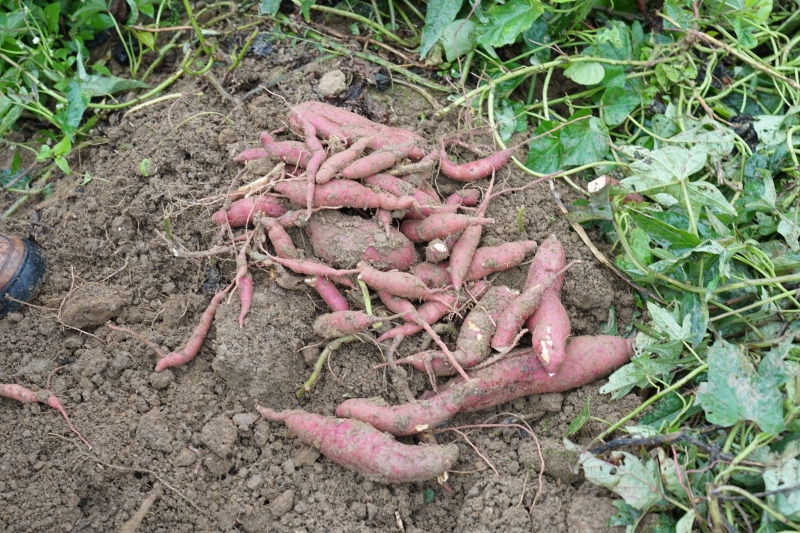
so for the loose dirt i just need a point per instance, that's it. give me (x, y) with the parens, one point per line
(191, 435)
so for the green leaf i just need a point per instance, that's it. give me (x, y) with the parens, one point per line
(62, 164)
(438, 15)
(638, 483)
(51, 14)
(70, 117)
(736, 392)
(63, 147)
(585, 73)
(544, 154)
(686, 522)
(537, 37)
(638, 373)
(506, 22)
(94, 85)
(10, 113)
(579, 421)
(704, 194)
(667, 324)
(617, 103)
(785, 476)
(584, 141)
(666, 410)
(458, 38)
(675, 10)
(305, 8)
(663, 233)
(268, 7)
(144, 166)
(695, 308)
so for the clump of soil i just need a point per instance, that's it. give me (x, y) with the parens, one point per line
(191, 433)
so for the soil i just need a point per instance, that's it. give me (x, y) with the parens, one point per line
(191, 435)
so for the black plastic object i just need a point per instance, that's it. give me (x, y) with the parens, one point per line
(27, 279)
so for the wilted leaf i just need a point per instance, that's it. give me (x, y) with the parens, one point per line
(735, 391)
(785, 476)
(637, 482)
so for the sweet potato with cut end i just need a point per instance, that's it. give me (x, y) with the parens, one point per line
(491, 259)
(360, 447)
(520, 374)
(474, 170)
(342, 193)
(436, 251)
(439, 226)
(513, 317)
(343, 241)
(241, 212)
(408, 419)
(549, 325)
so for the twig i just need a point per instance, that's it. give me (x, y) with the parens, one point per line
(466, 439)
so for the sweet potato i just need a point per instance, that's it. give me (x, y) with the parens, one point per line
(379, 160)
(549, 325)
(520, 374)
(342, 241)
(241, 212)
(400, 284)
(335, 163)
(464, 197)
(360, 447)
(281, 241)
(491, 259)
(343, 193)
(434, 275)
(474, 338)
(426, 205)
(192, 347)
(329, 293)
(250, 154)
(25, 395)
(290, 152)
(342, 323)
(408, 419)
(464, 248)
(474, 170)
(439, 226)
(437, 251)
(312, 268)
(513, 317)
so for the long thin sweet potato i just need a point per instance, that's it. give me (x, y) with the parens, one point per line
(342, 193)
(241, 212)
(343, 323)
(329, 293)
(400, 284)
(514, 315)
(462, 251)
(360, 447)
(408, 419)
(491, 259)
(474, 170)
(335, 163)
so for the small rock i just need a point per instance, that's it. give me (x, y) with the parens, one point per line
(255, 481)
(332, 83)
(161, 380)
(306, 455)
(153, 429)
(217, 466)
(261, 433)
(219, 435)
(282, 504)
(244, 420)
(185, 457)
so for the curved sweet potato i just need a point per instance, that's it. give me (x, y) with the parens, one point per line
(408, 419)
(360, 447)
(343, 241)
(241, 212)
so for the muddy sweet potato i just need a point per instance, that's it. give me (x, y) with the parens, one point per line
(490, 259)
(241, 212)
(343, 241)
(360, 447)
(342, 193)
(439, 226)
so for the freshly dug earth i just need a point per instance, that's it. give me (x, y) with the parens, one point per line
(107, 261)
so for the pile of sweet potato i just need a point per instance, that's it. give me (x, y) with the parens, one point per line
(370, 213)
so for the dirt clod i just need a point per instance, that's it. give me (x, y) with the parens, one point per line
(282, 504)
(94, 304)
(332, 83)
(219, 435)
(154, 431)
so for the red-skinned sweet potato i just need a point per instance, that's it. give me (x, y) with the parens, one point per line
(241, 212)
(343, 193)
(360, 447)
(434, 275)
(520, 374)
(491, 259)
(439, 226)
(474, 170)
(549, 325)
(341, 323)
(408, 419)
